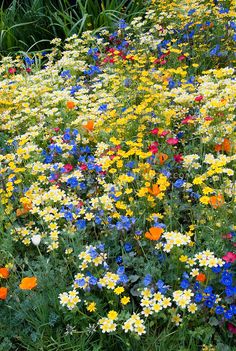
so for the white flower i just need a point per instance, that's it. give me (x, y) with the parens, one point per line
(36, 239)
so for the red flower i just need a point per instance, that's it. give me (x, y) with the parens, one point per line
(229, 257)
(231, 328)
(187, 119)
(198, 98)
(181, 58)
(154, 131)
(178, 158)
(11, 70)
(153, 147)
(172, 141)
(68, 167)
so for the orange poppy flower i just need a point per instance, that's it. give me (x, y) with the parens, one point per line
(89, 126)
(201, 277)
(216, 200)
(154, 233)
(225, 146)
(26, 208)
(70, 105)
(155, 190)
(162, 158)
(4, 273)
(3, 293)
(28, 283)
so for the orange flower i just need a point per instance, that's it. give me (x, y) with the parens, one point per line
(225, 146)
(28, 283)
(162, 158)
(216, 200)
(155, 190)
(70, 105)
(201, 277)
(89, 126)
(3, 293)
(154, 233)
(26, 208)
(4, 273)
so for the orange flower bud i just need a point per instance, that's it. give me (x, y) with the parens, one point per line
(3, 293)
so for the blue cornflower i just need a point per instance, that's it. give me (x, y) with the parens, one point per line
(28, 61)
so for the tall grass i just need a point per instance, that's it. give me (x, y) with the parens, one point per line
(34, 23)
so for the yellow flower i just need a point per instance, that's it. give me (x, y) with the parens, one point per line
(91, 307)
(119, 290)
(112, 315)
(125, 300)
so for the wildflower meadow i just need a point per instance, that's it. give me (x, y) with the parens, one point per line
(117, 186)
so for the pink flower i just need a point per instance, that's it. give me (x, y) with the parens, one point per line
(208, 118)
(198, 98)
(154, 131)
(153, 147)
(164, 133)
(56, 129)
(181, 58)
(229, 257)
(231, 328)
(172, 141)
(187, 119)
(11, 70)
(178, 158)
(68, 167)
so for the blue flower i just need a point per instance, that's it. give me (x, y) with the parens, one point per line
(147, 280)
(81, 224)
(72, 182)
(184, 284)
(161, 286)
(65, 74)
(93, 280)
(179, 183)
(198, 297)
(228, 314)
(81, 282)
(128, 247)
(119, 259)
(227, 279)
(215, 50)
(219, 310)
